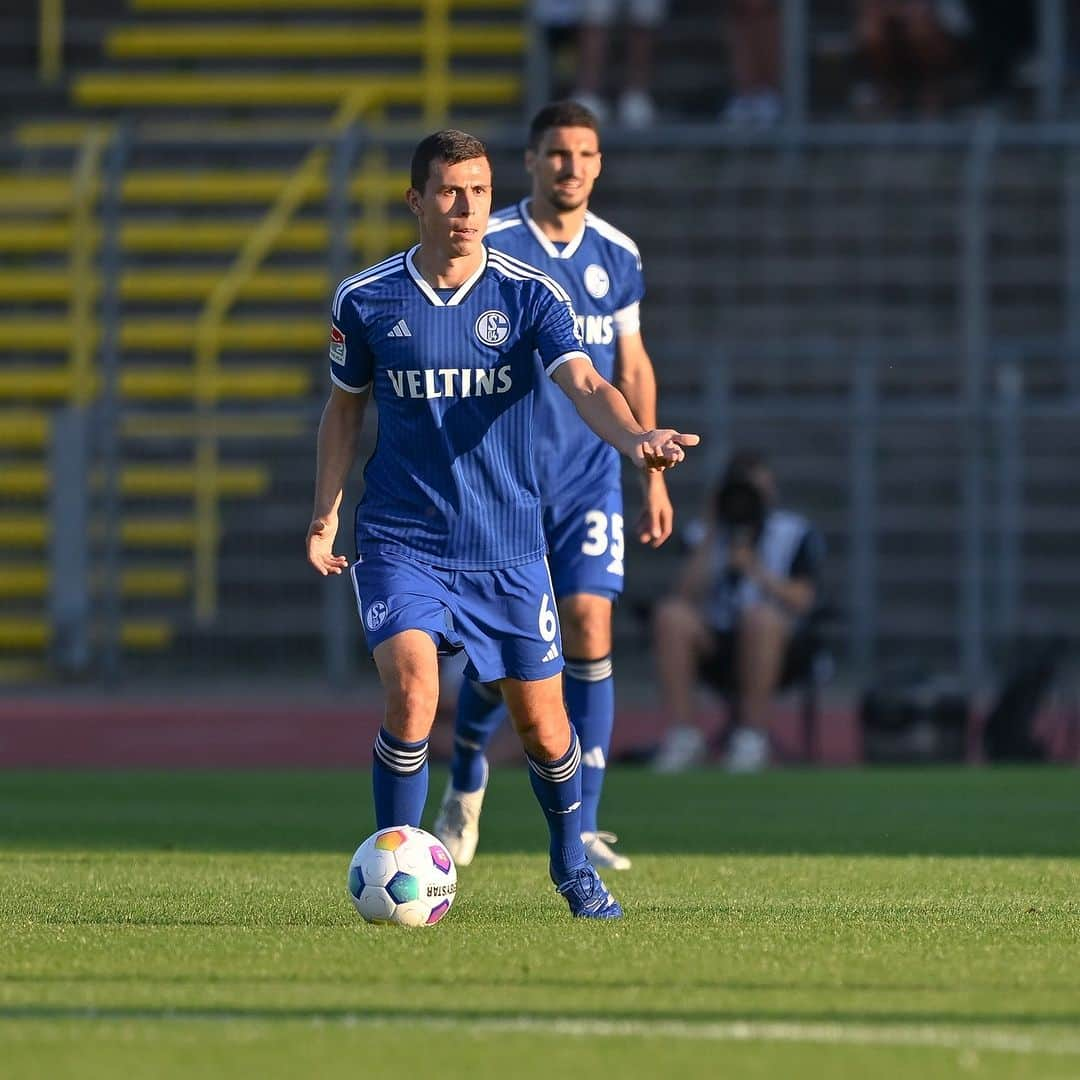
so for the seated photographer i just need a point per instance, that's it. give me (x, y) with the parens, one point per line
(738, 618)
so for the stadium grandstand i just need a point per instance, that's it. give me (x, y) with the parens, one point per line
(891, 308)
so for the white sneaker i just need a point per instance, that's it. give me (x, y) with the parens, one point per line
(636, 110)
(457, 824)
(748, 751)
(766, 109)
(600, 854)
(739, 111)
(682, 747)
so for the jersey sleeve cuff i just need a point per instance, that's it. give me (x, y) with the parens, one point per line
(558, 362)
(346, 387)
(628, 320)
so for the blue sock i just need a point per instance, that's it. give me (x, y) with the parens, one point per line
(399, 780)
(480, 711)
(557, 785)
(590, 701)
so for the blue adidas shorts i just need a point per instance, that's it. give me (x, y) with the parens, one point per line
(586, 544)
(505, 620)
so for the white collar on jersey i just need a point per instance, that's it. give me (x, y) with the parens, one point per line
(462, 290)
(549, 248)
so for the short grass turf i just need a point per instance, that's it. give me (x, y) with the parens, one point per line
(795, 924)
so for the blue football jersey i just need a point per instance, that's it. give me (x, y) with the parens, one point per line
(454, 375)
(600, 269)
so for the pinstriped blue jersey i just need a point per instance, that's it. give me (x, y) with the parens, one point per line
(600, 269)
(454, 375)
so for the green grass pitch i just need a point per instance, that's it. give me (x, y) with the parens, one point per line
(795, 924)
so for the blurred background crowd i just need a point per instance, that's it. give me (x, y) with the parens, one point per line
(860, 226)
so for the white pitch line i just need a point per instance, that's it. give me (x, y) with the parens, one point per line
(977, 1037)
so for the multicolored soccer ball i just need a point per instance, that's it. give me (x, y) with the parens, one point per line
(402, 875)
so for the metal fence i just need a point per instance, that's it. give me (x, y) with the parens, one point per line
(893, 312)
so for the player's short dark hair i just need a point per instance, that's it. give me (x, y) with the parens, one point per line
(560, 114)
(451, 146)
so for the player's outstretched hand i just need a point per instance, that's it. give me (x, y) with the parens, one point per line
(320, 547)
(662, 449)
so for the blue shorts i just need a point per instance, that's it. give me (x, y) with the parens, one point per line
(586, 544)
(505, 620)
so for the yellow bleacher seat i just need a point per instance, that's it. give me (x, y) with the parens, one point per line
(21, 195)
(23, 531)
(29, 633)
(23, 429)
(108, 89)
(33, 580)
(243, 40)
(167, 285)
(161, 383)
(209, 186)
(31, 532)
(293, 7)
(193, 237)
(147, 481)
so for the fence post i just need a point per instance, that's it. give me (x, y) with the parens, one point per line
(338, 624)
(1051, 46)
(109, 408)
(862, 642)
(718, 410)
(795, 50)
(975, 343)
(1010, 499)
(69, 555)
(1071, 196)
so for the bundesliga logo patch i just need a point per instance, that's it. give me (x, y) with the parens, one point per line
(492, 328)
(337, 345)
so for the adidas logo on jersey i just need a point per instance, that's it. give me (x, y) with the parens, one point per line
(551, 654)
(401, 329)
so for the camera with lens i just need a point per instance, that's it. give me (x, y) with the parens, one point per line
(739, 506)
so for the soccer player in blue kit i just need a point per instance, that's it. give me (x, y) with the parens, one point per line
(453, 340)
(579, 476)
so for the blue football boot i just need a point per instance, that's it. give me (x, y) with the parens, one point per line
(588, 897)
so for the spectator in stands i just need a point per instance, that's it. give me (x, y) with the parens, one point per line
(753, 31)
(1003, 33)
(557, 24)
(635, 108)
(739, 616)
(908, 47)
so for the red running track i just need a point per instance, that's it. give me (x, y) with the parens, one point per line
(103, 733)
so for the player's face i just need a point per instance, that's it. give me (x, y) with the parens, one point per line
(454, 206)
(565, 166)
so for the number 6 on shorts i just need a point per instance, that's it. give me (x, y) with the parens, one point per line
(547, 622)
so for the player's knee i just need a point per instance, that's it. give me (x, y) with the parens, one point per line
(586, 626)
(410, 712)
(545, 735)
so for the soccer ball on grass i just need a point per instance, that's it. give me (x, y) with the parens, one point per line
(402, 875)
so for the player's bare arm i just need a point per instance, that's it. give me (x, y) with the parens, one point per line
(339, 433)
(635, 378)
(607, 413)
